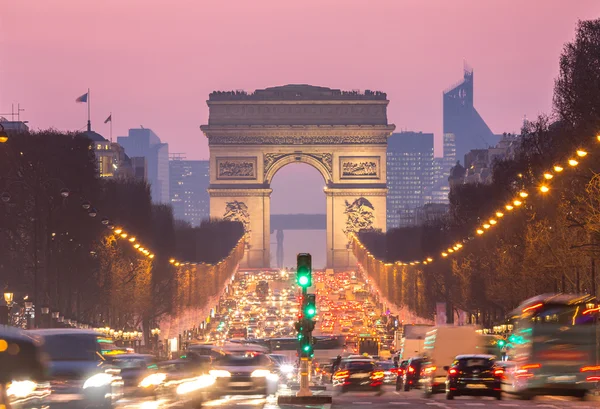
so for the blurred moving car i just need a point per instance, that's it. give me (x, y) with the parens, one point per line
(22, 367)
(357, 374)
(238, 373)
(412, 373)
(79, 370)
(138, 373)
(474, 375)
(389, 371)
(186, 379)
(400, 374)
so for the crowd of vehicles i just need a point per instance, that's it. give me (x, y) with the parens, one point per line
(251, 348)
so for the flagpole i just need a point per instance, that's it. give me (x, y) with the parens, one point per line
(89, 102)
(111, 127)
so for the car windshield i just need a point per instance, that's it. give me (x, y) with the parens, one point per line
(476, 363)
(356, 365)
(385, 365)
(72, 347)
(243, 360)
(130, 363)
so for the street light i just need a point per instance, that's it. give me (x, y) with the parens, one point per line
(544, 189)
(8, 297)
(3, 135)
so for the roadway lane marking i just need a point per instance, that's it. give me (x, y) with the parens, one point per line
(513, 405)
(399, 403)
(474, 404)
(362, 403)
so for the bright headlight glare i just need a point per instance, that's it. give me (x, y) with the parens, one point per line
(219, 373)
(260, 373)
(97, 381)
(200, 382)
(154, 379)
(21, 389)
(286, 368)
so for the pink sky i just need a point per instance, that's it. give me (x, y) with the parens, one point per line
(153, 63)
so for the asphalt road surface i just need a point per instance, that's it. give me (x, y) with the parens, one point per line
(389, 399)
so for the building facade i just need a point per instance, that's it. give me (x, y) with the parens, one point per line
(189, 180)
(142, 142)
(462, 119)
(409, 176)
(479, 163)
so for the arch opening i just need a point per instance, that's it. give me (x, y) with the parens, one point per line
(298, 205)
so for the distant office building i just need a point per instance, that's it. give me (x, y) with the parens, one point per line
(441, 171)
(189, 180)
(143, 142)
(430, 212)
(409, 175)
(462, 119)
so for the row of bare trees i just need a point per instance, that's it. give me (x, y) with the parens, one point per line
(56, 248)
(550, 244)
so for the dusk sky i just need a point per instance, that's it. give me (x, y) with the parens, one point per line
(153, 63)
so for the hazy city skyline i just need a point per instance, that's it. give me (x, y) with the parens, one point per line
(154, 65)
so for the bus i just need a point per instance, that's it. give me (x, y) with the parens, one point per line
(262, 290)
(368, 344)
(554, 346)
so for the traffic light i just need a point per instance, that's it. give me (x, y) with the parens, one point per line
(501, 343)
(310, 306)
(306, 345)
(304, 270)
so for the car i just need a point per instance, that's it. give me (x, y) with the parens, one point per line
(357, 374)
(389, 371)
(400, 374)
(412, 373)
(80, 368)
(243, 373)
(474, 375)
(135, 369)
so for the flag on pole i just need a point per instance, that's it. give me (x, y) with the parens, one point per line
(109, 119)
(83, 98)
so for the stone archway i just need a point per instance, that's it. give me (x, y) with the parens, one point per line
(341, 134)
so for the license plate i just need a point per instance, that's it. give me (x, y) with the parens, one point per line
(476, 386)
(564, 378)
(359, 375)
(64, 397)
(240, 383)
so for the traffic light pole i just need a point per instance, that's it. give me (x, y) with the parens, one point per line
(305, 363)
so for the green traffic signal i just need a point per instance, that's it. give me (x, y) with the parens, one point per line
(310, 306)
(304, 270)
(501, 343)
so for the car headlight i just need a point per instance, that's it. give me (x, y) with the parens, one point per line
(154, 379)
(98, 380)
(200, 382)
(260, 373)
(219, 373)
(286, 368)
(21, 389)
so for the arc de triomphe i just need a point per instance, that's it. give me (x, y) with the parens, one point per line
(343, 134)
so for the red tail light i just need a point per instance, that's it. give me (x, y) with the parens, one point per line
(341, 374)
(452, 371)
(593, 379)
(411, 369)
(531, 366)
(377, 375)
(498, 372)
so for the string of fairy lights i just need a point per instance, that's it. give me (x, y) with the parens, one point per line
(488, 225)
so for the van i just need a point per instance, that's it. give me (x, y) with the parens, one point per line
(442, 345)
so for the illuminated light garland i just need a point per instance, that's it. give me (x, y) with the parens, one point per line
(543, 188)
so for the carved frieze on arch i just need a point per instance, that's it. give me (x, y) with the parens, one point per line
(323, 162)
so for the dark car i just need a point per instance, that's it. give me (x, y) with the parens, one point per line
(79, 368)
(135, 368)
(245, 373)
(412, 374)
(474, 375)
(400, 374)
(389, 371)
(357, 374)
